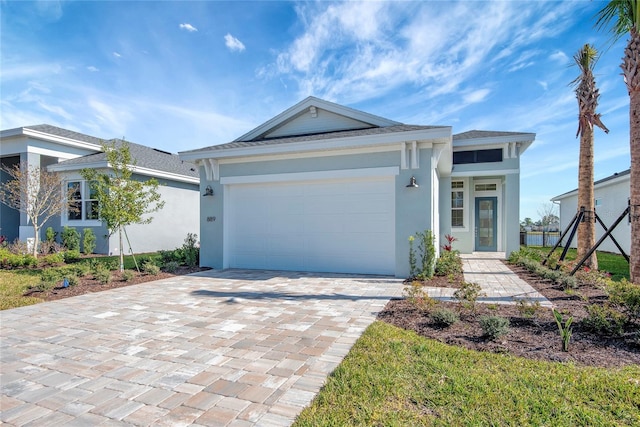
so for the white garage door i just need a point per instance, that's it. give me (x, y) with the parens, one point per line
(342, 226)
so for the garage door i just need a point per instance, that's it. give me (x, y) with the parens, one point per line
(342, 226)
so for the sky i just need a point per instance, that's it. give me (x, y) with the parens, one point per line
(184, 75)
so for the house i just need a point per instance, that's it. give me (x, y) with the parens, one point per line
(611, 199)
(68, 152)
(324, 187)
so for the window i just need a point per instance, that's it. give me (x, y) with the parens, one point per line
(486, 187)
(598, 202)
(477, 156)
(83, 204)
(457, 204)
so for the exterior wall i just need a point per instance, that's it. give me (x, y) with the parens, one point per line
(9, 218)
(613, 199)
(324, 121)
(511, 206)
(413, 208)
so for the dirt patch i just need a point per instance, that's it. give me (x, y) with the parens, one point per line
(534, 338)
(89, 284)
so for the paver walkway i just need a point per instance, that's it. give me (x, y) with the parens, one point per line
(499, 284)
(236, 348)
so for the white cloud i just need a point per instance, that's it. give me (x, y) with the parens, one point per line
(92, 68)
(188, 27)
(543, 84)
(233, 43)
(117, 55)
(476, 96)
(559, 57)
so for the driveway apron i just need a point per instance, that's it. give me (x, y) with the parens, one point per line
(234, 347)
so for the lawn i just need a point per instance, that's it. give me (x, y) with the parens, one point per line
(394, 377)
(611, 263)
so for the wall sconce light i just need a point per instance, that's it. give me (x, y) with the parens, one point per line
(208, 191)
(413, 183)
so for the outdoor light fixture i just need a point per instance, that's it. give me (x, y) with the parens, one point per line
(413, 183)
(208, 191)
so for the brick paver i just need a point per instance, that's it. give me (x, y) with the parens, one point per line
(235, 347)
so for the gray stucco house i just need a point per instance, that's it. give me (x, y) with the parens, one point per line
(611, 199)
(69, 152)
(324, 187)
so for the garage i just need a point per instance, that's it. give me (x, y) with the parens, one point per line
(324, 225)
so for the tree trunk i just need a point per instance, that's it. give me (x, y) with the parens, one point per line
(587, 228)
(36, 241)
(121, 252)
(634, 127)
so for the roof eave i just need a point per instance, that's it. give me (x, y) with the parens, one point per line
(50, 137)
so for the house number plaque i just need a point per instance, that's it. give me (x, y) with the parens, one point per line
(211, 218)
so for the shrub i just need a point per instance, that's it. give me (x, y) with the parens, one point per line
(190, 250)
(102, 275)
(565, 328)
(449, 263)
(71, 255)
(73, 280)
(603, 319)
(127, 275)
(416, 295)
(88, 241)
(494, 326)
(71, 238)
(150, 268)
(170, 256)
(444, 317)
(171, 266)
(81, 269)
(527, 308)
(51, 276)
(50, 235)
(53, 259)
(626, 296)
(468, 294)
(9, 259)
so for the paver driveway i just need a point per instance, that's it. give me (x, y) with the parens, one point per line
(236, 347)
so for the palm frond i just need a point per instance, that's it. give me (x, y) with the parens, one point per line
(618, 17)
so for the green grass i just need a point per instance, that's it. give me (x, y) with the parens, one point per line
(611, 263)
(393, 377)
(13, 285)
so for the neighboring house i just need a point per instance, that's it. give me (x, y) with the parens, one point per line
(324, 187)
(69, 152)
(611, 199)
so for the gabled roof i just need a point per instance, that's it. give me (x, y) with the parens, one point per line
(356, 118)
(149, 161)
(598, 183)
(56, 135)
(66, 133)
(475, 138)
(476, 134)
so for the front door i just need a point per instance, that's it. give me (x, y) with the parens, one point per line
(486, 224)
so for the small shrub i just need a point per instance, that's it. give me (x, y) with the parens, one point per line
(416, 295)
(428, 252)
(527, 308)
(50, 247)
(71, 238)
(81, 269)
(103, 275)
(190, 250)
(18, 247)
(169, 256)
(73, 280)
(88, 241)
(449, 263)
(413, 266)
(150, 268)
(468, 294)
(50, 235)
(626, 296)
(604, 320)
(171, 266)
(565, 328)
(127, 275)
(53, 259)
(494, 326)
(51, 276)
(71, 255)
(444, 317)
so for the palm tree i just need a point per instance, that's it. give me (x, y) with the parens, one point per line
(622, 17)
(587, 94)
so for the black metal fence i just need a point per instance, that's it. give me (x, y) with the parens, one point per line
(539, 238)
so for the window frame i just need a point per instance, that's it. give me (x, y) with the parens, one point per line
(84, 200)
(464, 208)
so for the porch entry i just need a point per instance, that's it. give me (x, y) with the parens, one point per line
(486, 224)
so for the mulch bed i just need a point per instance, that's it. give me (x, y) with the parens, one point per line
(89, 284)
(536, 338)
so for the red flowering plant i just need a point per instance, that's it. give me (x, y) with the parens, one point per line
(450, 239)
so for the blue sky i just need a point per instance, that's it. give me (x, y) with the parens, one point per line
(184, 75)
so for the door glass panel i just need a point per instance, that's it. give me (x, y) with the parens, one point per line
(485, 227)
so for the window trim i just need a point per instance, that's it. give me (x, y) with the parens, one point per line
(65, 221)
(465, 205)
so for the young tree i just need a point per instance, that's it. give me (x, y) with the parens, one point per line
(548, 215)
(122, 201)
(587, 95)
(35, 192)
(623, 17)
